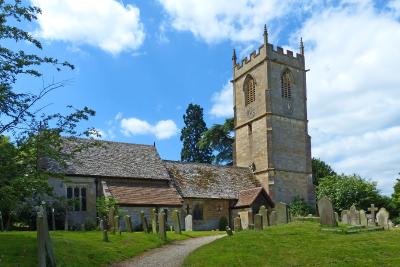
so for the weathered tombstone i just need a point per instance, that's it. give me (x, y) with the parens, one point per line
(143, 219)
(229, 231)
(111, 215)
(354, 215)
(82, 227)
(237, 224)
(45, 246)
(1, 222)
(153, 218)
(363, 218)
(245, 218)
(53, 219)
(128, 223)
(382, 217)
(105, 236)
(373, 209)
(281, 213)
(345, 217)
(251, 217)
(336, 217)
(326, 213)
(273, 218)
(177, 221)
(258, 223)
(264, 214)
(116, 224)
(101, 225)
(390, 225)
(162, 225)
(189, 223)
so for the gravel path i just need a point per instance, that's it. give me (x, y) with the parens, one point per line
(171, 255)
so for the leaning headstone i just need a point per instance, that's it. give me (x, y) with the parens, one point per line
(345, 217)
(383, 218)
(189, 223)
(177, 221)
(229, 231)
(128, 223)
(153, 218)
(105, 236)
(45, 246)
(273, 217)
(111, 218)
(101, 225)
(363, 218)
(143, 219)
(237, 224)
(373, 209)
(354, 215)
(258, 223)
(281, 213)
(162, 225)
(53, 219)
(326, 213)
(116, 224)
(1, 222)
(264, 214)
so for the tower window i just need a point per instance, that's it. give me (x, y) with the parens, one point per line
(249, 90)
(286, 84)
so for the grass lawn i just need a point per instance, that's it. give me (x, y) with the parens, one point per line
(300, 244)
(82, 248)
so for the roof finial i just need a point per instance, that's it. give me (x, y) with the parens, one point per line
(301, 46)
(234, 58)
(265, 34)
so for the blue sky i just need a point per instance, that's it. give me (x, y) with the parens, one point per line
(140, 63)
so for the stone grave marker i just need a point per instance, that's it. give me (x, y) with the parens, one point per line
(383, 218)
(264, 214)
(162, 225)
(53, 220)
(177, 221)
(145, 225)
(229, 231)
(153, 218)
(128, 223)
(237, 224)
(105, 236)
(354, 215)
(258, 223)
(101, 225)
(251, 217)
(44, 244)
(390, 225)
(336, 217)
(244, 216)
(116, 224)
(345, 217)
(373, 209)
(273, 217)
(189, 223)
(281, 213)
(111, 218)
(326, 213)
(363, 218)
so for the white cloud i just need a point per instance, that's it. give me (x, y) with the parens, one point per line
(106, 24)
(223, 102)
(163, 129)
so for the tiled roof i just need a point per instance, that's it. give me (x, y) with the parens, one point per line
(156, 194)
(114, 159)
(247, 197)
(199, 180)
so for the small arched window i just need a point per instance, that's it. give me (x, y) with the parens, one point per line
(286, 84)
(249, 90)
(198, 212)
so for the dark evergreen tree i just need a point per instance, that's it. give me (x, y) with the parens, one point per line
(191, 135)
(320, 170)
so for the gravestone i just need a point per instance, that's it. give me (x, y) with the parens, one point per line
(354, 215)
(245, 219)
(177, 221)
(326, 213)
(363, 218)
(143, 219)
(116, 224)
(382, 217)
(162, 225)
(1, 222)
(237, 224)
(153, 218)
(336, 217)
(105, 236)
(229, 231)
(251, 217)
(390, 225)
(189, 223)
(101, 225)
(373, 209)
(258, 223)
(345, 217)
(44, 244)
(128, 223)
(111, 215)
(273, 218)
(53, 219)
(264, 214)
(281, 213)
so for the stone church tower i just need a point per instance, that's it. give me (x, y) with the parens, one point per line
(271, 126)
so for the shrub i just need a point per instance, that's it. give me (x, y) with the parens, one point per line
(90, 224)
(396, 221)
(299, 207)
(223, 223)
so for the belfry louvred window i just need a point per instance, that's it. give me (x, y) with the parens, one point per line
(286, 85)
(249, 89)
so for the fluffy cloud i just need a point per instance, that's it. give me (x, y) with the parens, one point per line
(222, 102)
(163, 129)
(106, 24)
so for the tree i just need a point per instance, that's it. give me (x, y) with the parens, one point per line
(320, 170)
(345, 191)
(191, 135)
(219, 138)
(396, 198)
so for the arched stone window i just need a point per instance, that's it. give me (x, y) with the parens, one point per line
(249, 90)
(198, 212)
(286, 84)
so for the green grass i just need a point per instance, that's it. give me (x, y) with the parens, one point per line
(82, 248)
(300, 244)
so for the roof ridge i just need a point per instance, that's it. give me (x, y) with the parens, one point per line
(108, 141)
(205, 164)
